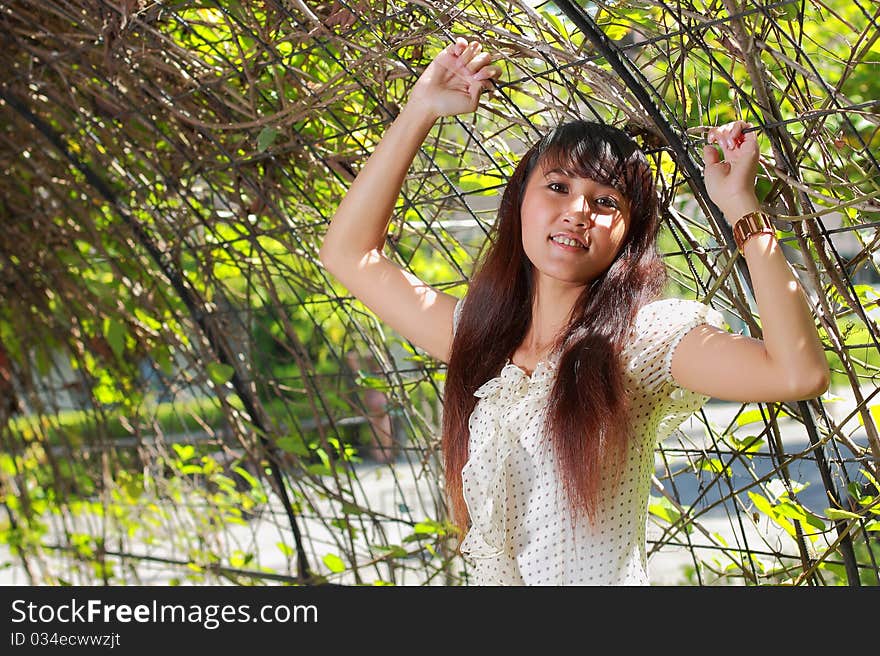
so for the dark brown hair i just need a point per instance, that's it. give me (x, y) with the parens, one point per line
(588, 399)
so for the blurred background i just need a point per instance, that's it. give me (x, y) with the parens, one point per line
(188, 397)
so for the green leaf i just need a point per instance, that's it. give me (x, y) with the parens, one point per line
(293, 444)
(334, 563)
(866, 293)
(837, 513)
(246, 475)
(661, 507)
(798, 512)
(372, 381)
(220, 373)
(555, 21)
(266, 138)
(107, 394)
(616, 31)
(184, 451)
(875, 415)
(7, 464)
(788, 11)
(792, 510)
(815, 522)
(429, 527)
(748, 445)
(43, 362)
(837, 570)
(114, 332)
(713, 465)
(764, 506)
(479, 183)
(319, 469)
(761, 503)
(779, 489)
(752, 416)
(240, 559)
(873, 480)
(162, 356)
(394, 550)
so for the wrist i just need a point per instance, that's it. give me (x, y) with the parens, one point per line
(750, 226)
(419, 110)
(736, 207)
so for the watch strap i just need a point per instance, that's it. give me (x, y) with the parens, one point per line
(752, 223)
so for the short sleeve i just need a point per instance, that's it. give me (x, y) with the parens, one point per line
(456, 314)
(659, 328)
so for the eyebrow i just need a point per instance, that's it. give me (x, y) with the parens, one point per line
(569, 174)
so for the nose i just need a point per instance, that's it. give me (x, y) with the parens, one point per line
(578, 213)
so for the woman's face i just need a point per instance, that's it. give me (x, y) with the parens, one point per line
(560, 206)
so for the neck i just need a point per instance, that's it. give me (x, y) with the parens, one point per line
(551, 310)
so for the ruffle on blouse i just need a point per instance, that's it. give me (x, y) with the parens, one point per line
(495, 433)
(497, 423)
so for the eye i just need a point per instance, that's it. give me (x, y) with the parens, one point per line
(608, 201)
(557, 187)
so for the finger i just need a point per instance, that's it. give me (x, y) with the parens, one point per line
(736, 133)
(488, 72)
(713, 136)
(724, 136)
(717, 135)
(472, 50)
(479, 61)
(710, 155)
(454, 49)
(750, 138)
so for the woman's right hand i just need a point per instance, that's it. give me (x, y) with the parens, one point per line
(453, 81)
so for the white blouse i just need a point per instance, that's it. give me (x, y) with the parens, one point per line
(522, 532)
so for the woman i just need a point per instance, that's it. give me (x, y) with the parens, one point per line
(564, 366)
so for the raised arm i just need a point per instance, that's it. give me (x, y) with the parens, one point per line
(352, 249)
(788, 363)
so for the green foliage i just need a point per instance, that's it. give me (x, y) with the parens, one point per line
(228, 135)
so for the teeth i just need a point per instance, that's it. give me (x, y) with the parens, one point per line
(567, 241)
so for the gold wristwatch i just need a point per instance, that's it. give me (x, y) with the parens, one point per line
(752, 223)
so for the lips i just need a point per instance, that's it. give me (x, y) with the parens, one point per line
(574, 242)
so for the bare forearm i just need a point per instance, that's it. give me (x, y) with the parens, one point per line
(361, 220)
(789, 330)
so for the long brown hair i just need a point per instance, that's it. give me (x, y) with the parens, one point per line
(588, 398)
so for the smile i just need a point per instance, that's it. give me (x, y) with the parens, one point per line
(568, 244)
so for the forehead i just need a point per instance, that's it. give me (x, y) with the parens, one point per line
(596, 160)
(549, 170)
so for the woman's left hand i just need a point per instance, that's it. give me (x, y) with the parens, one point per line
(731, 181)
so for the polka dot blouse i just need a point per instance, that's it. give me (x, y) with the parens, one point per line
(522, 532)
